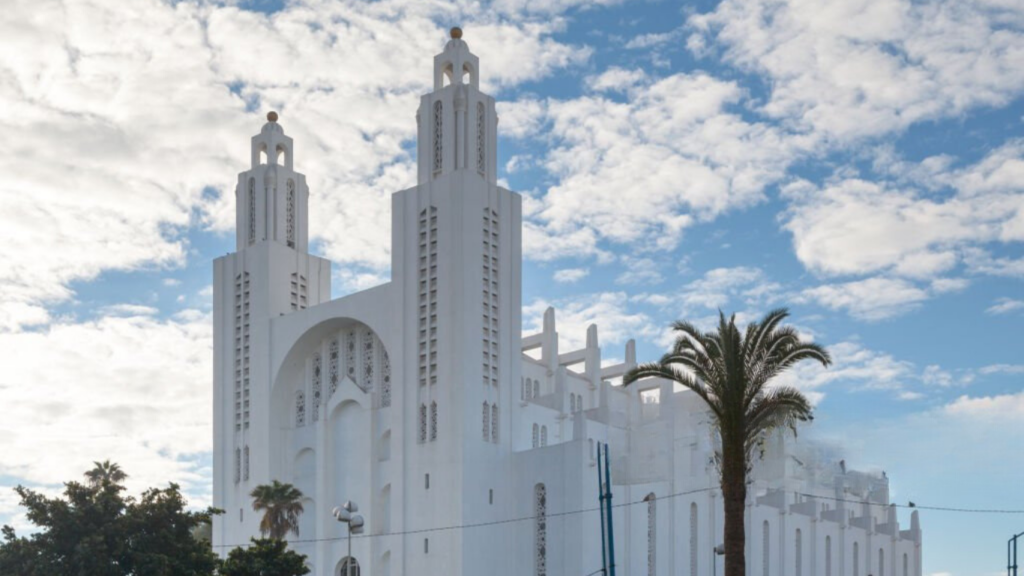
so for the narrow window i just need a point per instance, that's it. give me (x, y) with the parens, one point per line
(540, 513)
(487, 421)
(799, 553)
(543, 435)
(490, 499)
(905, 565)
(536, 388)
(881, 562)
(693, 539)
(426, 481)
(652, 535)
(245, 464)
(766, 550)
(238, 465)
(856, 559)
(828, 556)
(494, 423)
(426, 545)
(385, 384)
(536, 433)
(317, 386)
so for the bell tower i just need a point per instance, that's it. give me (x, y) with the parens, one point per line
(456, 264)
(270, 274)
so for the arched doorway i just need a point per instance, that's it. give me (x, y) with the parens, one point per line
(348, 567)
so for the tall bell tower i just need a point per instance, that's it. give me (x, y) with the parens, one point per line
(270, 274)
(456, 262)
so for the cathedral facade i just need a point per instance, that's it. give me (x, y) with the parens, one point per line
(469, 447)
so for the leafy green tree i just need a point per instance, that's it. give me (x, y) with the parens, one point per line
(281, 504)
(731, 372)
(266, 557)
(94, 529)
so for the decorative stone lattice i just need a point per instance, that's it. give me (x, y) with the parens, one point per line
(252, 210)
(368, 347)
(540, 513)
(317, 386)
(481, 162)
(333, 377)
(300, 409)
(438, 136)
(290, 215)
(385, 380)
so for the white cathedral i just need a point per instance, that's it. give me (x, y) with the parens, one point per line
(469, 446)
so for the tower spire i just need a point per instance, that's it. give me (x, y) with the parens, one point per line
(457, 122)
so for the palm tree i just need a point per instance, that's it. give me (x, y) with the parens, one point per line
(731, 373)
(105, 472)
(281, 505)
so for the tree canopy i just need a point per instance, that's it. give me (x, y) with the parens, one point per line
(266, 556)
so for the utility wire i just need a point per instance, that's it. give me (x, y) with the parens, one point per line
(477, 525)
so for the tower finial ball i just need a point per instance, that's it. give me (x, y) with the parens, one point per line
(456, 33)
(271, 116)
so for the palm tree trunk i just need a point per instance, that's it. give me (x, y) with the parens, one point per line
(734, 495)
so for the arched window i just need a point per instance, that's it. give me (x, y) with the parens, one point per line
(652, 534)
(252, 210)
(693, 539)
(536, 388)
(881, 562)
(245, 464)
(905, 565)
(766, 550)
(540, 513)
(536, 436)
(487, 421)
(828, 556)
(494, 423)
(290, 214)
(349, 567)
(438, 136)
(572, 402)
(856, 559)
(433, 421)
(423, 423)
(543, 435)
(799, 553)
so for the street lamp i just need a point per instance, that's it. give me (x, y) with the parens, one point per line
(715, 553)
(346, 513)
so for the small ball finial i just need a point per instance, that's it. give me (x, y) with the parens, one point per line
(455, 33)
(271, 116)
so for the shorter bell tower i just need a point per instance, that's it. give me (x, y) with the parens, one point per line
(270, 274)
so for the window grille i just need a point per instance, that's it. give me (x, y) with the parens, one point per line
(540, 513)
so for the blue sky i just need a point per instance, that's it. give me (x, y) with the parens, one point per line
(859, 161)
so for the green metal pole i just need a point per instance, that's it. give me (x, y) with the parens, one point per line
(600, 508)
(608, 504)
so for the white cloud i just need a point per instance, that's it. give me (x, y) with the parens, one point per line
(640, 271)
(1008, 407)
(133, 389)
(1005, 306)
(615, 79)
(125, 119)
(571, 275)
(609, 310)
(871, 299)
(1003, 369)
(863, 68)
(855, 366)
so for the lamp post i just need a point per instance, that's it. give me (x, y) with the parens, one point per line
(715, 553)
(346, 513)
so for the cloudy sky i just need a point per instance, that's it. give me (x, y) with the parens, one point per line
(860, 161)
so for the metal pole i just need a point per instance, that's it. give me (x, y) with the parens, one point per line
(600, 507)
(608, 504)
(348, 562)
